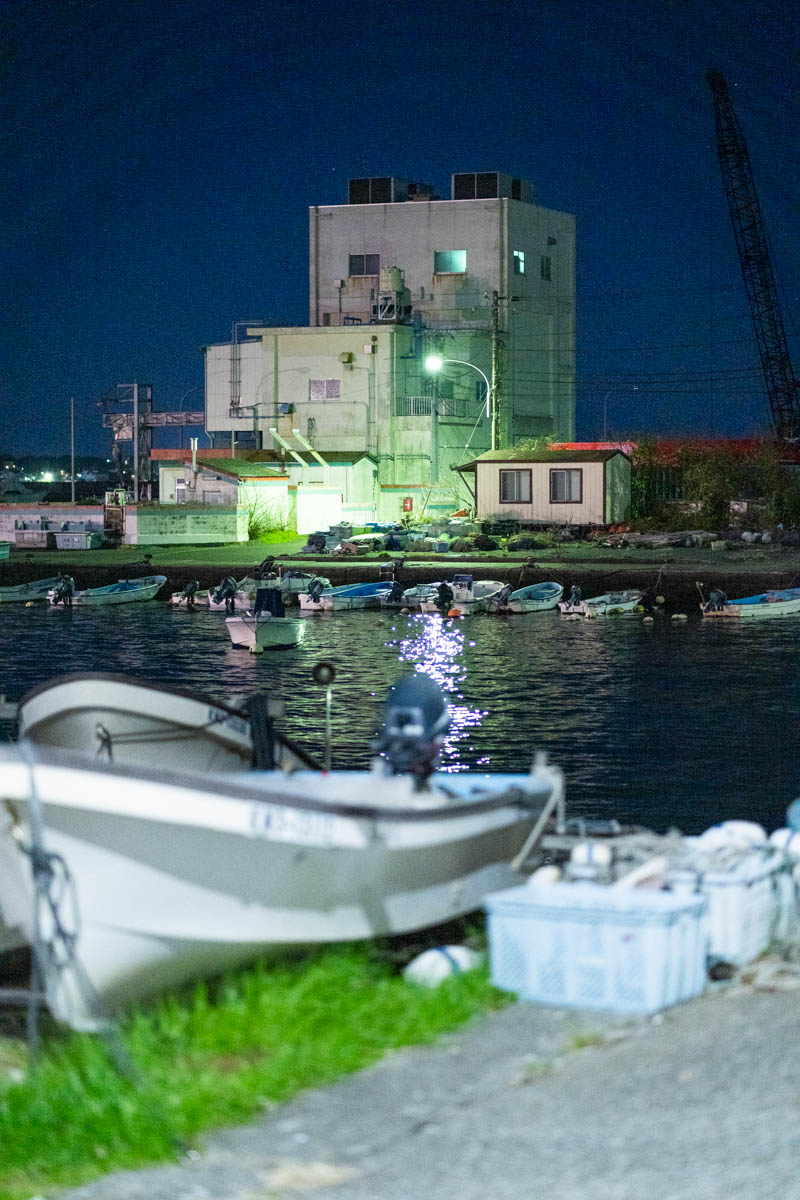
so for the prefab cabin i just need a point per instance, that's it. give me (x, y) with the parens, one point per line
(563, 487)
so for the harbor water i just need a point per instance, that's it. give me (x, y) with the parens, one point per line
(669, 724)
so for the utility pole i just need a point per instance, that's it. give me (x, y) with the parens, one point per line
(494, 391)
(72, 446)
(136, 443)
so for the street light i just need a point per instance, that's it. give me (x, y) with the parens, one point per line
(435, 362)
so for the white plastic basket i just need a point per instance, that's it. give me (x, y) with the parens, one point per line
(748, 904)
(583, 945)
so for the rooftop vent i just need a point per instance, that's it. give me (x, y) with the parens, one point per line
(489, 185)
(377, 189)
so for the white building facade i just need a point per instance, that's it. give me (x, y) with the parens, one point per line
(484, 279)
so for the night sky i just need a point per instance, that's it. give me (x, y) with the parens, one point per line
(160, 158)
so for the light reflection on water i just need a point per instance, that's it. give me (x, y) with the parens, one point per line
(666, 724)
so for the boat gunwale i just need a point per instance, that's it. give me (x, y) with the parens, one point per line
(128, 681)
(222, 787)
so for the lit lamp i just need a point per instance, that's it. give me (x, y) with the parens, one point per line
(435, 362)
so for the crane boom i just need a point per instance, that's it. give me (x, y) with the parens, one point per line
(754, 259)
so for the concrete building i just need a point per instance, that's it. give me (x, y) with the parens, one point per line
(484, 279)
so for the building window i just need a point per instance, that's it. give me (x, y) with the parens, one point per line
(566, 487)
(364, 264)
(545, 267)
(515, 487)
(519, 262)
(324, 389)
(449, 262)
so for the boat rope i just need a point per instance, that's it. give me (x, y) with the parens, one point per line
(108, 740)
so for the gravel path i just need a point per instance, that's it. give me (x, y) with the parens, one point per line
(701, 1102)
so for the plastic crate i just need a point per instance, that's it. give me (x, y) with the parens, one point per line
(747, 904)
(582, 945)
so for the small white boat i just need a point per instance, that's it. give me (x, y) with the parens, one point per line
(763, 606)
(469, 595)
(412, 597)
(176, 876)
(610, 604)
(537, 597)
(22, 593)
(263, 631)
(124, 591)
(130, 721)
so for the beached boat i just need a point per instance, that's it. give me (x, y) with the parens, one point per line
(763, 606)
(469, 595)
(124, 591)
(178, 876)
(344, 598)
(22, 593)
(264, 631)
(131, 721)
(537, 597)
(610, 604)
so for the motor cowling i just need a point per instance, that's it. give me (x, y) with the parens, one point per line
(416, 719)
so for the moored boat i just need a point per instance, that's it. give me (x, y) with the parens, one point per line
(178, 876)
(537, 597)
(124, 591)
(609, 604)
(22, 593)
(763, 606)
(340, 599)
(130, 721)
(467, 595)
(264, 631)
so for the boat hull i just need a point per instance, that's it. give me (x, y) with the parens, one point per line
(22, 593)
(117, 719)
(177, 878)
(265, 632)
(612, 604)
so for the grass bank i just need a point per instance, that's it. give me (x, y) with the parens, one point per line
(214, 1058)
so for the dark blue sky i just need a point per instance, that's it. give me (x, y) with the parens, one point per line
(161, 157)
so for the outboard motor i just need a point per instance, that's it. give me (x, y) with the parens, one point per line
(227, 592)
(416, 720)
(188, 592)
(266, 569)
(575, 594)
(717, 599)
(269, 600)
(396, 593)
(316, 588)
(503, 595)
(62, 592)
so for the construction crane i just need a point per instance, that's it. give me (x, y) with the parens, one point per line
(754, 259)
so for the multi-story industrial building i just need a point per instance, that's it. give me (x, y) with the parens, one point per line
(485, 280)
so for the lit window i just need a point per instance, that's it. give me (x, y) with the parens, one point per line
(364, 264)
(515, 487)
(324, 389)
(545, 267)
(566, 487)
(519, 262)
(449, 262)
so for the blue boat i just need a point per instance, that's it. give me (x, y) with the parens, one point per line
(765, 604)
(348, 596)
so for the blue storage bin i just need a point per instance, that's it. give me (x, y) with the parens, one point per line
(583, 945)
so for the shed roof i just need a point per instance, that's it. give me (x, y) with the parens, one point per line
(515, 454)
(239, 468)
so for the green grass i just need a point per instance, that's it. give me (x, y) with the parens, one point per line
(215, 1058)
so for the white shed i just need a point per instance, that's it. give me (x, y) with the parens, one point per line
(558, 487)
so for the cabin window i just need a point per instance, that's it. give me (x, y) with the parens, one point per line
(566, 487)
(515, 487)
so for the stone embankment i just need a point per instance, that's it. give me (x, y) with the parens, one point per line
(676, 581)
